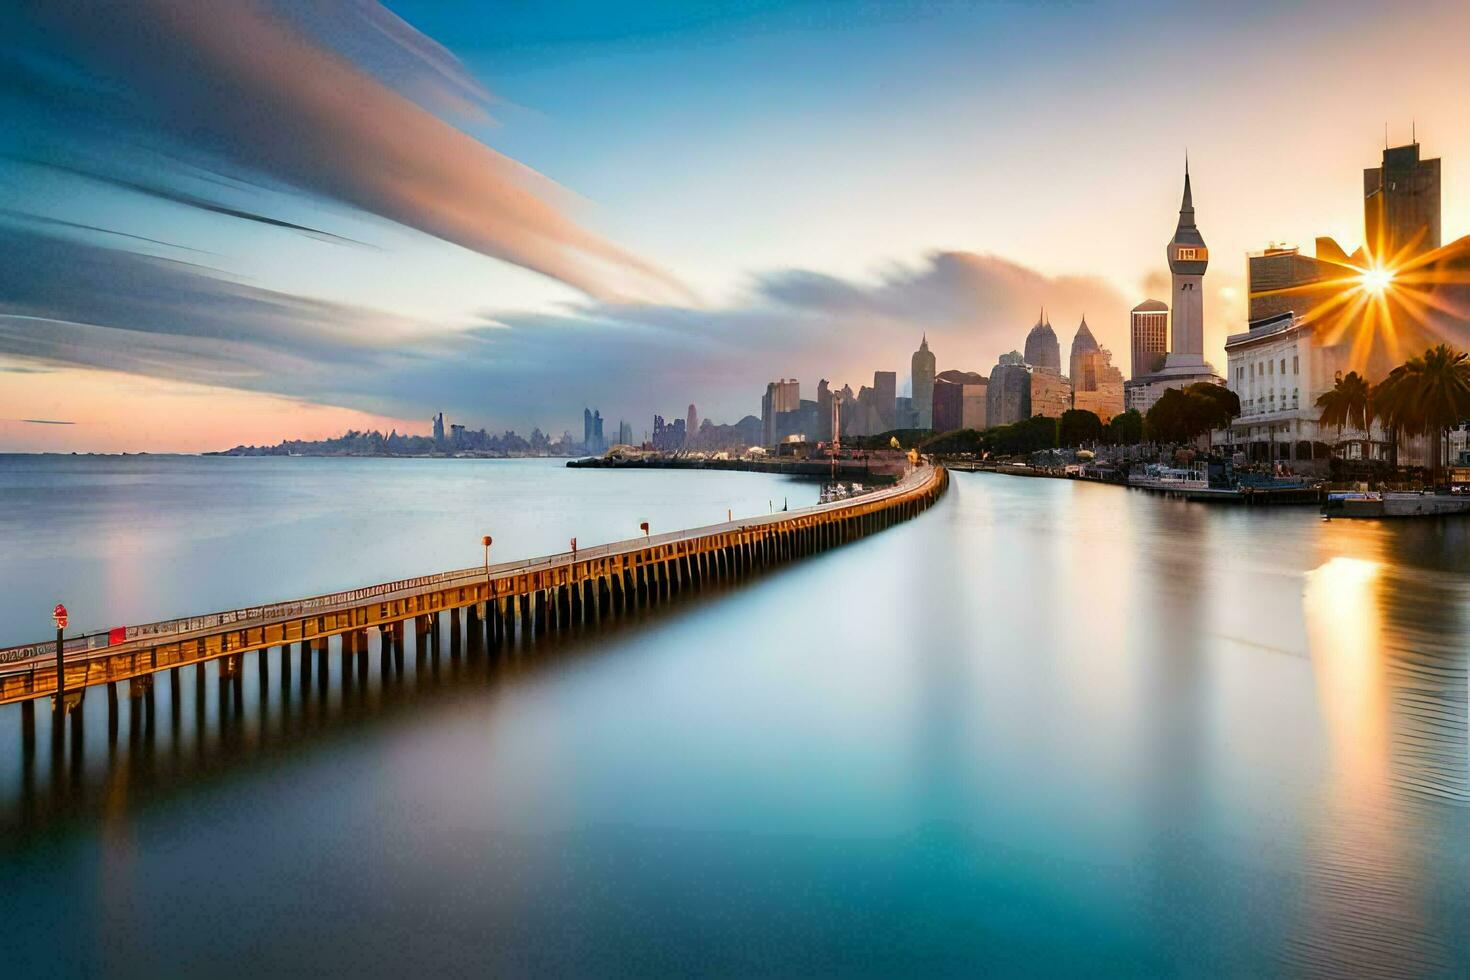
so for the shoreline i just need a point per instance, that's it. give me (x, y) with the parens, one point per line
(879, 471)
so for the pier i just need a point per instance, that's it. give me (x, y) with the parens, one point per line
(492, 604)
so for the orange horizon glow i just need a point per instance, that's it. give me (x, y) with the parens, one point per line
(113, 412)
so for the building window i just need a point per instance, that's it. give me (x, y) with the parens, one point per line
(1283, 365)
(1270, 369)
(1296, 368)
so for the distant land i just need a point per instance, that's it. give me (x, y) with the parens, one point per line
(710, 437)
(479, 443)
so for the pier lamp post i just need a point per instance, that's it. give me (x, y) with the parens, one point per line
(59, 616)
(487, 541)
(644, 528)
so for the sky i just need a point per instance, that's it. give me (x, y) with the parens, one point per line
(237, 222)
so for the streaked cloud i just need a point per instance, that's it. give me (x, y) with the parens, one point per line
(333, 100)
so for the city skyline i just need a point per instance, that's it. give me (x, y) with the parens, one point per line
(291, 302)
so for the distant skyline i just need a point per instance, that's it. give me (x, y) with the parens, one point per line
(516, 211)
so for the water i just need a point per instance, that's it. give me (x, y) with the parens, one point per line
(1046, 727)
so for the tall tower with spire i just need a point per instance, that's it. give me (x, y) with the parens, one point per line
(1188, 259)
(921, 371)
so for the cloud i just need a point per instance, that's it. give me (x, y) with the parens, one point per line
(258, 90)
(70, 302)
(191, 200)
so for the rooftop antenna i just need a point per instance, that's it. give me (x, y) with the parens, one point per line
(1414, 131)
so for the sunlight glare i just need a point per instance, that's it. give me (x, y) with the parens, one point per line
(1376, 279)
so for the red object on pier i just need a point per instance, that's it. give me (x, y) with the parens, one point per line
(59, 615)
(116, 635)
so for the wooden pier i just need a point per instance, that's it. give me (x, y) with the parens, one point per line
(524, 598)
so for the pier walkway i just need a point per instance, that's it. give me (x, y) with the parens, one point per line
(528, 597)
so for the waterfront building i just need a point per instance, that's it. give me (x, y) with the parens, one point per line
(904, 415)
(439, 429)
(1097, 386)
(1042, 349)
(865, 417)
(921, 370)
(1051, 393)
(1185, 363)
(885, 400)
(456, 436)
(1279, 278)
(847, 411)
(825, 398)
(1276, 372)
(593, 440)
(693, 423)
(799, 424)
(781, 396)
(1401, 204)
(1148, 333)
(669, 437)
(959, 401)
(1008, 394)
(625, 434)
(1083, 342)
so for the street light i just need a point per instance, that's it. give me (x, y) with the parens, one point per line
(487, 541)
(59, 617)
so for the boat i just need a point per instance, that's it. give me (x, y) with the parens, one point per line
(1373, 504)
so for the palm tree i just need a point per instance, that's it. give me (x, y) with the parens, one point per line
(1427, 395)
(1348, 404)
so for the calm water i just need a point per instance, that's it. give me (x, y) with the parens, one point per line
(1044, 728)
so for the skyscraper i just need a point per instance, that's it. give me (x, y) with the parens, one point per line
(625, 434)
(921, 368)
(1042, 349)
(438, 432)
(1008, 394)
(959, 401)
(1051, 394)
(1401, 203)
(587, 431)
(1097, 386)
(825, 414)
(885, 399)
(693, 424)
(1083, 342)
(1148, 329)
(597, 438)
(781, 396)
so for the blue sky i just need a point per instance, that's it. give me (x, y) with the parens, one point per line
(927, 167)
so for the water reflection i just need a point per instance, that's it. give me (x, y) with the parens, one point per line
(281, 701)
(1392, 696)
(1046, 728)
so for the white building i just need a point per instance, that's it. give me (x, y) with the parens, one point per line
(1278, 371)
